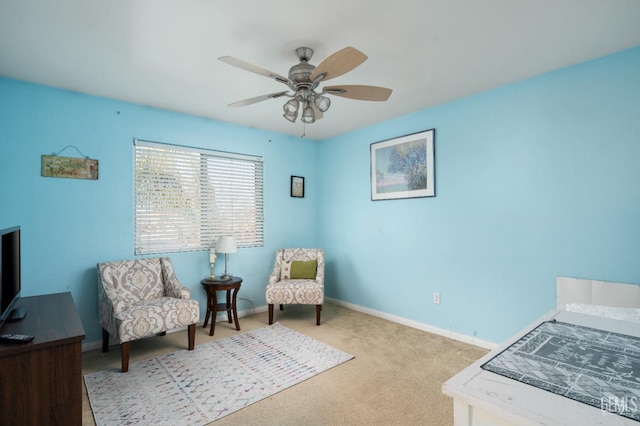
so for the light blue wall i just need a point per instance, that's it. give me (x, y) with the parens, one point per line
(69, 225)
(533, 180)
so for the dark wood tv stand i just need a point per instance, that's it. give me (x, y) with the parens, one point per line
(41, 381)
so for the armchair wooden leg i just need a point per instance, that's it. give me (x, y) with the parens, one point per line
(124, 348)
(282, 307)
(318, 310)
(270, 313)
(105, 340)
(192, 336)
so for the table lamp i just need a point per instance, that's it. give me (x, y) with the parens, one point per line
(226, 244)
(212, 261)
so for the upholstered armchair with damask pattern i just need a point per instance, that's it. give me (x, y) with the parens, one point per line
(297, 278)
(141, 298)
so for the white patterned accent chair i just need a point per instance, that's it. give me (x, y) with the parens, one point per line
(141, 298)
(297, 278)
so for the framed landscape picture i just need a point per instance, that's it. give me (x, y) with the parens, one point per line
(403, 167)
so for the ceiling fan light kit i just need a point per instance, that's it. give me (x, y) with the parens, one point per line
(304, 79)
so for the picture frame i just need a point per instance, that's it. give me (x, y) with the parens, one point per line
(297, 186)
(403, 167)
(68, 167)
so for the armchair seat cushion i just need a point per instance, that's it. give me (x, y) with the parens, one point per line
(289, 292)
(149, 317)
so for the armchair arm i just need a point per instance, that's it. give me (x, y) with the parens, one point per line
(172, 286)
(107, 293)
(275, 276)
(109, 304)
(320, 270)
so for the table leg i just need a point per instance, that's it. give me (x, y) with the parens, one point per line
(235, 311)
(206, 317)
(229, 305)
(214, 312)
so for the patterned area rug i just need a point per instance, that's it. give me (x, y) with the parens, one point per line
(596, 367)
(214, 380)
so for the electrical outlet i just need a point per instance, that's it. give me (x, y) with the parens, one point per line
(436, 298)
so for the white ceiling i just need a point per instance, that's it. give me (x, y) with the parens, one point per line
(164, 53)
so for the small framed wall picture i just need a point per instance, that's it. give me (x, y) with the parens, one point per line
(297, 186)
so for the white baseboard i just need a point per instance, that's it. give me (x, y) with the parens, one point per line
(222, 316)
(415, 324)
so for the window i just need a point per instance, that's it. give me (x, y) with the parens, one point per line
(185, 198)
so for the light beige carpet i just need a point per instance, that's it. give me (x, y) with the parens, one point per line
(395, 377)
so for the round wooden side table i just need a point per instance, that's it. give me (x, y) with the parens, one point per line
(211, 286)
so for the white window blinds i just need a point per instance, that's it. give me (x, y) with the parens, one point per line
(185, 198)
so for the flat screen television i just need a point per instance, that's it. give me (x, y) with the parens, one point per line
(10, 284)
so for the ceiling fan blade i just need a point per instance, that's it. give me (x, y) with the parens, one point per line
(363, 93)
(339, 63)
(253, 68)
(250, 101)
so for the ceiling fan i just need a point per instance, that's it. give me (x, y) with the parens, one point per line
(304, 79)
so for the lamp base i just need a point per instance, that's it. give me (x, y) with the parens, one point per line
(225, 277)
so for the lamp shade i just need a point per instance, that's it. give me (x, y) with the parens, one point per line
(291, 107)
(323, 103)
(226, 244)
(308, 116)
(291, 117)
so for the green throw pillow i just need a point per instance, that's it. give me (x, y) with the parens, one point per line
(304, 270)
